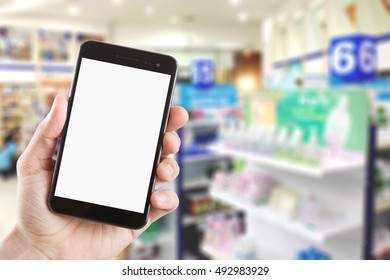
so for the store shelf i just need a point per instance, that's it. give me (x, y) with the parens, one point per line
(215, 254)
(17, 72)
(382, 206)
(196, 183)
(327, 168)
(202, 157)
(55, 82)
(323, 231)
(192, 219)
(383, 140)
(17, 65)
(57, 67)
(202, 123)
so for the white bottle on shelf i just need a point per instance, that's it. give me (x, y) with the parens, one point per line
(250, 134)
(294, 145)
(239, 135)
(267, 143)
(227, 130)
(338, 125)
(310, 208)
(312, 152)
(281, 140)
(258, 135)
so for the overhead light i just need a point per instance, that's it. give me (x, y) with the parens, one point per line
(74, 10)
(235, 2)
(242, 17)
(246, 83)
(149, 10)
(117, 2)
(174, 19)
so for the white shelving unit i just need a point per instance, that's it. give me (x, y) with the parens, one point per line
(340, 187)
(202, 123)
(195, 184)
(324, 231)
(202, 157)
(214, 254)
(327, 168)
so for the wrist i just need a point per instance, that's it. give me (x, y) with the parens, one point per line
(15, 246)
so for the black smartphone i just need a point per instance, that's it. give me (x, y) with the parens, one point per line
(111, 142)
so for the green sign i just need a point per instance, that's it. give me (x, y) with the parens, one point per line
(337, 117)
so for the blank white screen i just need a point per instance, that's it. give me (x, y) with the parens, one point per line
(112, 135)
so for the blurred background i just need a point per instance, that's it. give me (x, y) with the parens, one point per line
(286, 154)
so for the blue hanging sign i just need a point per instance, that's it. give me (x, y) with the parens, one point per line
(352, 59)
(203, 73)
(216, 97)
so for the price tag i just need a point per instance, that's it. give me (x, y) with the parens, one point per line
(352, 59)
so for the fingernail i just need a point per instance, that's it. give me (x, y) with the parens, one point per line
(162, 197)
(168, 169)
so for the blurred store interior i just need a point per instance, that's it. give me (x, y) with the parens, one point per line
(287, 151)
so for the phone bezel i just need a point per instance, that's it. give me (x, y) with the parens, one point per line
(127, 57)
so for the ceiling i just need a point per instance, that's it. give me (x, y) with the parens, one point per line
(145, 11)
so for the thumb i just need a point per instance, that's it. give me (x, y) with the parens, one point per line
(43, 143)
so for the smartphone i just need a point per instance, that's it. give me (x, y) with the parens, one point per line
(111, 142)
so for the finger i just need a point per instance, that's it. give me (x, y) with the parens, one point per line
(44, 140)
(162, 203)
(171, 143)
(167, 171)
(178, 117)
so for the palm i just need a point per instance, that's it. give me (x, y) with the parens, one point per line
(87, 238)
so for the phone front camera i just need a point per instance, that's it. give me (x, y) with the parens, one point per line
(157, 64)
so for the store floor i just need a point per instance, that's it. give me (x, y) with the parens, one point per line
(7, 205)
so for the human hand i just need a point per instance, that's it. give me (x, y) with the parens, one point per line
(40, 234)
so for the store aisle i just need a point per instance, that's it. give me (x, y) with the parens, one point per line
(7, 205)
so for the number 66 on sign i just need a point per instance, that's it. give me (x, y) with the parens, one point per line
(352, 59)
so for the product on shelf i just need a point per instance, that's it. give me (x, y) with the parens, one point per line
(281, 142)
(54, 46)
(338, 125)
(271, 141)
(382, 180)
(19, 110)
(197, 139)
(312, 150)
(253, 186)
(142, 252)
(15, 44)
(382, 243)
(221, 179)
(309, 211)
(285, 201)
(312, 127)
(198, 203)
(222, 232)
(245, 249)
(260, 188)
(312, 253)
